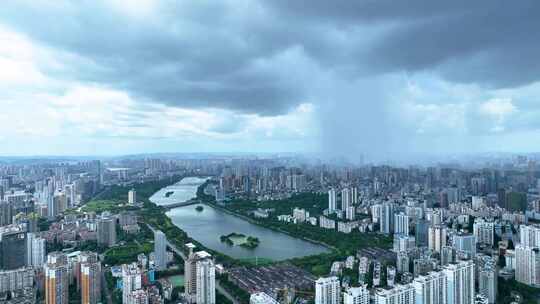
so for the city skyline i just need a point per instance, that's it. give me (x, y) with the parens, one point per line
(381, 79)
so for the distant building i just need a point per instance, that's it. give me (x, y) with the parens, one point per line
(356, 295)
(401, 224)
(484, 232)
(387, 218)
(528, 265)
(262, 298)
(465, 242)
(327, 291)
(131, 281)
(487, 282)
(91, 283)
(431, 288)
(13, 245)
(529, 236)
(402, 294)
(106, 231)
(199, 280)
(206, 282)
(436, 237)
(332, 200)
(160, 250)
(36, 251)
(132, 197)
(56, 279)
(17, 279)
(460, 282)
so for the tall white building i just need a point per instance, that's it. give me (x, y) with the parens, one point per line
(354, 195)
(132, 197)
(487, 282)
(402, 242)
(401, 224)
(465, 242)
(387, 218)
(460, 282)
(430, 289)
(332, 202)
(484, 232)
(36, 251)
(436, 237)
(160, 250)
(327, 291)
(400, 294)
(206, 282)
(261, 298)
(529, 236)
(346, 200)
(356, 295)
(138, 296)
(199, 278)
(528, 265)
(131, 281)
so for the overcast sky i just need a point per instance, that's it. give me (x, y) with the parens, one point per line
(383, 78)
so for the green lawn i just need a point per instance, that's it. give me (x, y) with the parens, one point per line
(99, 206)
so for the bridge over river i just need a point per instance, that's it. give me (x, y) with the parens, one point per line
(192, 201)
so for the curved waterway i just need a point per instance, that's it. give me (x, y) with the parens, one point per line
(208, 225)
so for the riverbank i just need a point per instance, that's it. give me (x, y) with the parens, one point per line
(341, 245)
(255, 222)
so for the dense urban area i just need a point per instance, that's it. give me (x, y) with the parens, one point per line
(91, 231)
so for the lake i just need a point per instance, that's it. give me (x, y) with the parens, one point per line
(209, 224)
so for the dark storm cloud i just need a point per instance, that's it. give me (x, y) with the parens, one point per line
(209, 54)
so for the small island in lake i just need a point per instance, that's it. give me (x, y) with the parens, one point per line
(169, 193)
(239, 239)
(199, 208)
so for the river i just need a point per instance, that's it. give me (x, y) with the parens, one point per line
(209, 224)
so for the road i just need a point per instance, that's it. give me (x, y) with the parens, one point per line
(183, 256)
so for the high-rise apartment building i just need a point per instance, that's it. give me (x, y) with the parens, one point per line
(430, 288)
(346, 200)
(160, 250)
(199, 278)
(90, 282)
(17, 279)
(261, 298)
(138, 296)
(402, 294)
(401, 224)
(436, 237)
(13, 249)
(460, 282)
(528, 265)
(484, 232)
(327, 291)
(56, 279)
(132, 197)
(387, 218)
(332, 200)
(529, 236)
(106, 231)
(421, 232)
(36, 250)
(464, 243)
(356, 295)
(487, 282)
(131, 281)
(206, 282)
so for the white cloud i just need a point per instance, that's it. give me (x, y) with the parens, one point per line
(498, 109)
